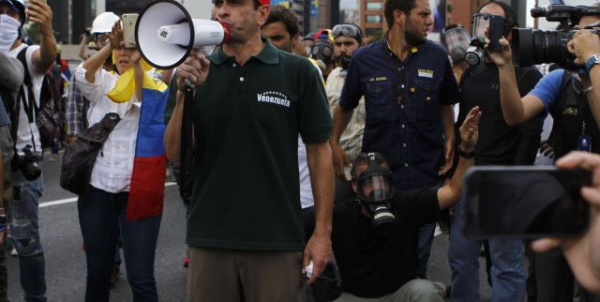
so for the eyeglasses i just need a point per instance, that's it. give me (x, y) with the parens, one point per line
(348, 30)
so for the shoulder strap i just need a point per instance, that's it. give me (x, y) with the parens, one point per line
(21, 57)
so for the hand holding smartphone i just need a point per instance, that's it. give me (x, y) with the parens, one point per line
(129, 22)
(514, 202)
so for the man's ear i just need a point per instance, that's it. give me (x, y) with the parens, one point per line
(263, 14)
(295, 39)
(399, 18)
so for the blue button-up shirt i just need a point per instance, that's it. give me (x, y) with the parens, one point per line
(403, 101)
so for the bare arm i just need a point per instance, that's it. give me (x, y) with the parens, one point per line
(195, 70)
(514, 109)
(447, 112)
(82, 50)
(318, 247)
(11, 72)
(173, 132)
(341, 118)
(40, 13)
(469, 134)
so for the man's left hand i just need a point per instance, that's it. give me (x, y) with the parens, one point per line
(318, 249)
(584, 45)
(40, 13)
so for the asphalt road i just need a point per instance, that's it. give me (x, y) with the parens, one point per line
(65, 260)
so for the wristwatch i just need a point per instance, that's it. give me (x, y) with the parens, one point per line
(593, 60)
(465, 154)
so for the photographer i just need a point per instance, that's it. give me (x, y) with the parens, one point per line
(586, 46)
(375, 234)
(565, 94)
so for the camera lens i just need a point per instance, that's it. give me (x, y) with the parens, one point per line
(537, 47)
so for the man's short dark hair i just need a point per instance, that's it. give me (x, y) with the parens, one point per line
(286, 16)
(391, 5)
(366, 159)
(256, 3)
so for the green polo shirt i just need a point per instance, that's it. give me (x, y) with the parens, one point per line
(246, 124)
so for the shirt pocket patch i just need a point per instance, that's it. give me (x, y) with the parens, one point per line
(378, 99)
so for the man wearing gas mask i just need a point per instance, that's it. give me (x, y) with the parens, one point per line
(500, 144)
(409, 90)
(322, 51)
(456, 40)
(375, 234)
(348, 38)
(568, 95)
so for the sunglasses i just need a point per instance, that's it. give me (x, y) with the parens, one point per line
(347, 30)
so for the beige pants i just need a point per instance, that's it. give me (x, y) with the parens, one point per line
(417, 290)
(250, 276)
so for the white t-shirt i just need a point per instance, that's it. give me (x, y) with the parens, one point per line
(27, 130)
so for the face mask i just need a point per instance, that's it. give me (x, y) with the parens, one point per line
(9, 32)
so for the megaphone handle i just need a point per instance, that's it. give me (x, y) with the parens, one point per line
(188, 85)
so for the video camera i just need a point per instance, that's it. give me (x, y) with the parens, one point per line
(539, 46)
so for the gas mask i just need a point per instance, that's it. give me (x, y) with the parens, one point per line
(456, 41)
(482, 22)
(322, 51)
(375, 192)
(9, 32)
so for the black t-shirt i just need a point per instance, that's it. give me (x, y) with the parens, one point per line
(499, 143)
(376, 264)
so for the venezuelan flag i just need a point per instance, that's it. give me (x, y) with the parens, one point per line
(147, 188)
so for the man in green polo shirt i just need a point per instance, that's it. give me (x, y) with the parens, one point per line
(245, 225)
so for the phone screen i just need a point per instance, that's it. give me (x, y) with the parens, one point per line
(525, 202)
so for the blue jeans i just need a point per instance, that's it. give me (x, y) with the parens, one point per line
(25, 230)
(508, 265)
(100, 215)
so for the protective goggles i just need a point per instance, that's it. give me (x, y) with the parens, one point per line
(347, 30)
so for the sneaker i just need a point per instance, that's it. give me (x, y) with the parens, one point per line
(14, 252)
(186, 261)
(115, 275)
(53, 157)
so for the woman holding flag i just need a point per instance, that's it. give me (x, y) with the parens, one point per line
(126, 187)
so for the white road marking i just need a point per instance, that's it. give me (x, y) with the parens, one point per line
(74, 199)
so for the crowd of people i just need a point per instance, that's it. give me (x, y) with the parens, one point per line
(321, 163)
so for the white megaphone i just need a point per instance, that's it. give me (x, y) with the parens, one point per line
(166, 33)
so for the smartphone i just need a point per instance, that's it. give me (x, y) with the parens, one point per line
(496, 29)
(516, 202)
(129, 21)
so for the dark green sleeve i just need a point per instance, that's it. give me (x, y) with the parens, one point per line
(314, 120)
(172, 99)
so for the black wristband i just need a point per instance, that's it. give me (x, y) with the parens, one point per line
(464, 154)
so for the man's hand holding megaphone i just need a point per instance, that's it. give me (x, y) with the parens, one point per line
(194, 69)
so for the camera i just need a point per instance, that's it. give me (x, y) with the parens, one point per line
(28, 161)
(539, 46)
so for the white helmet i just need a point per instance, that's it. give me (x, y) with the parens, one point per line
(104, 23)
(18, 6)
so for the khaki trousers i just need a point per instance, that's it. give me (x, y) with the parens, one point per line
(249, 276)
